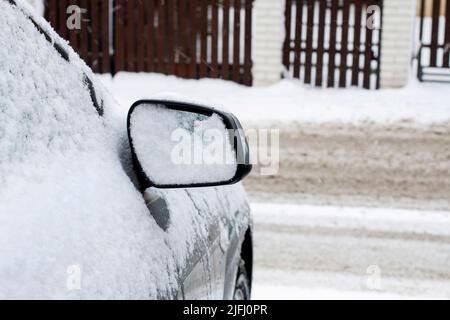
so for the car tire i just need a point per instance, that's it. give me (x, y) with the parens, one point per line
(242, 288)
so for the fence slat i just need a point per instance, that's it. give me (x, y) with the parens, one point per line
(84, 36)
(214, 40)
(105, 32)
(225, 39)
(435, 32)
(140, 15)
(237, 40)
(73, 35)
(193, 39)
(62, 18)
(309, 41)
(447, 36)
(51, 13)
(344, 45)
(95, 35)
(203, 38)
(368, 50)
(170, 69)
(160, 39)
(248, 43)
(298, 36)
(320, 41)
(287, 39)
(150, 35)
(182, 42)
(332, 48)
(130, 38)
(357, 43)
(119, 54)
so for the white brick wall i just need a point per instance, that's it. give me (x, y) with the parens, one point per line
(268, 37)
(396, 45)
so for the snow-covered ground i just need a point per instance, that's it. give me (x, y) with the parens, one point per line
(289, 100)
(316, 252)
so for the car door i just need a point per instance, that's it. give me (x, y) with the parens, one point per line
(190, 231)
(210, 208)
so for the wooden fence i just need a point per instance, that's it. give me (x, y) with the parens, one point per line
(334, 43)
(91, 40)
(188, 38)
(434, 37)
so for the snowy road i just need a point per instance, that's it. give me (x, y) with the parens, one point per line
(401, 165)
(305, 252)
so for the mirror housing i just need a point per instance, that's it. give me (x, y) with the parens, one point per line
(161, 134)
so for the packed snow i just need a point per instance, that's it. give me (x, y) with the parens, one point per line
(289, 100)
(369, 219)
(332, 252)
(67, 206)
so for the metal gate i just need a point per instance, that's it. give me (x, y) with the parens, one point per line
(188, 38)
(434, 37)
(334, 43)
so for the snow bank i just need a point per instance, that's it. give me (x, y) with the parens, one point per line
(369, 219)
(289, 100)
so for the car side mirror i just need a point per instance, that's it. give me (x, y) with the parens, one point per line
(181, 145)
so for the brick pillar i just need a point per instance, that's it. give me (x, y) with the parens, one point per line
(268, 37)
(396, 44)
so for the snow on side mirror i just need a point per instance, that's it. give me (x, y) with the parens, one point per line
(179, 145)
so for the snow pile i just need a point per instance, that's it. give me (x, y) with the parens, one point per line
(289, 100)
(72, 224)
(338, 250)
(368, 219)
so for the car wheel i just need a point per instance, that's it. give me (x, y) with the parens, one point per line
(242, 287)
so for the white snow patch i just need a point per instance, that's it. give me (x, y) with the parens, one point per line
(370, 219)
(289, 100)
(272, 284)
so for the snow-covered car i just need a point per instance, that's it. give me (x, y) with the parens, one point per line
(92, 206)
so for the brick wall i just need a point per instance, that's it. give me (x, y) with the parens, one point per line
(397, 39)
(268, 36)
